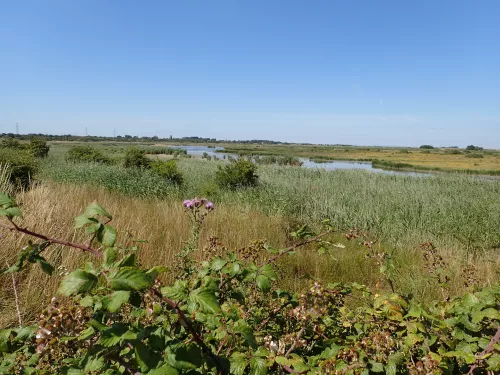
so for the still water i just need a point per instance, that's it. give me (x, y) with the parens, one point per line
(198, 151)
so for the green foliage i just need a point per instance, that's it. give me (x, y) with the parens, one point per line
(168, 170)
(88, 154)
(239, 173)
(428, 147)
(474, 156)
(136, 158)
(473, 148)
(224, 315)
(21, 166)
(38, 148)
(11, 143)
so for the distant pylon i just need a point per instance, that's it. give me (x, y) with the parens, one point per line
(86, 133)
(17, 128)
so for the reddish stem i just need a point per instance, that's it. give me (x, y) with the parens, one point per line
(51, 240)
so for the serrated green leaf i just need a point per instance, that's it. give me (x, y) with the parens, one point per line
(5, 340)
(258, 366)
(96, 209)
(218, 264)
(268, 271)
(114, 302)
(82, 220)
(205, 297)
(14, 211)
(156, 271)
(108, 236)
(246, 331)
(6, 201)
(94, 364)
(76, 282)
(129, 261)
(129, 278)
(238, 362)
(109, 256)
(263, 283)
(147, 359)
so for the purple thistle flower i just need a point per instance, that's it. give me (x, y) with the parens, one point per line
(209, 206)
(188, 203)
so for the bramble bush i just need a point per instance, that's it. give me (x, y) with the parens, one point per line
(168, 170)
(238, 173)
(223, 314)
(21, 166)
(136, 158)
(87, 154)
(38, 148)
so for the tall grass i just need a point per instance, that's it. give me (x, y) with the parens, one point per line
(452, 210)
(50, 208)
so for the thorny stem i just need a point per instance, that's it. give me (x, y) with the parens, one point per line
(170, 303)
(187, 323)
(295, 342)
(494, 340)
(50, 240)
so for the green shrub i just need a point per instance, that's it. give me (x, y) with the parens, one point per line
(240, 173)
(21, 166)
(11, 143)
(428, 147)
(453, 152)
(87, 154)
(39, 148)
(473, 148)
(136, 158)
(167, 169)
(475, 156)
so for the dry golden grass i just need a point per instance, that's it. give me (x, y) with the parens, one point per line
(50, 209)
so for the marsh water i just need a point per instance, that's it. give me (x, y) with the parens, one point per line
(218, 152)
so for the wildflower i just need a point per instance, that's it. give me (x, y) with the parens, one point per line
(209, 206)
(188, 203)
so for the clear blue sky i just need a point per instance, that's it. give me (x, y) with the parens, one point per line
(358, 72)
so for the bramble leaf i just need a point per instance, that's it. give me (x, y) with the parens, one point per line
(263, 283)
(129, 278)
(115, 301)
(96, 209)
(76, 282)
(206, 298)
(238, 363)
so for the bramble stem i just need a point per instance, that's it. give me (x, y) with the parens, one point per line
(50, 240)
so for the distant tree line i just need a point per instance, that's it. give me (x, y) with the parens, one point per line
(129, 138)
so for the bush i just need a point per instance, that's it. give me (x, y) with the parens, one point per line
(474, 156)
(240, 173)
(11, 143)
(39, 148)
(167, 169)
(428, 147)
(21, 166)
(473, 148)
(136, 158)
(87, 154)
(453, 152)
